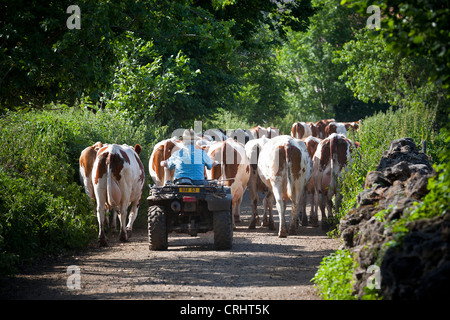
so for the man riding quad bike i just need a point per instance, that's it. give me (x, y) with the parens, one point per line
(189, 204)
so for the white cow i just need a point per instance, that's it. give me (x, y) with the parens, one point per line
(162, 151)
(330, 160)
(118, 176)
(285, 168)
(253, 149)
(233, 170)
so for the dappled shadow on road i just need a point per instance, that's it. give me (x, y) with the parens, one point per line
(259, 261)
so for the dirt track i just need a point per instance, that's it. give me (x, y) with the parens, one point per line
(260, 266)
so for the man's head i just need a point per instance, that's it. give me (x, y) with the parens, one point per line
(188, 136)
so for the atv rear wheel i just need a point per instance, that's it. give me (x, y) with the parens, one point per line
(223, 230)
(157, 230)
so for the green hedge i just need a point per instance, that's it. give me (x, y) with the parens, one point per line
(43, 207)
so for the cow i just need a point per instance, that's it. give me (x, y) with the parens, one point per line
(216, 134)
(119, 177)
(272, 132)
(321, 125)
(311, 146)
(242, 136)
(253, 149)
(351, 125)
(314, 130)
(331, 158)
(162, 151)
(233, 170)
(258, 132)
(285, 168)
(335, 127)
(300, 130)
(86, 161)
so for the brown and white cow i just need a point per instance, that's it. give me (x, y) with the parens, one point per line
(335, 127)
(300, 130)
(86, 161)
(351, 125)
(253, 149)
(258, 132)
(119, 178)
(311, 146)
(330, 160)
(239, 135)
(321, 125)
(233, 170)
(162, 151)
(285, 168)
(272, 132)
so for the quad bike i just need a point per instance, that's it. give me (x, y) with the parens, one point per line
(180, 206)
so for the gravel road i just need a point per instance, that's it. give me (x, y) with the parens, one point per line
(259, 266)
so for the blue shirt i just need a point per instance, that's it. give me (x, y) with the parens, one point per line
(189, 162)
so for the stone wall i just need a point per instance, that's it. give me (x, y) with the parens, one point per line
(420, 268)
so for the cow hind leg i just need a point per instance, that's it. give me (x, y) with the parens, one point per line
(132, 217)
(255, 216)
(281, 208)
(268, 210)
(123, 219)
(101, 221)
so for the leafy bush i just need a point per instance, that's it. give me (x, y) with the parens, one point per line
(43, 207)
(375, 135)
(334, 277)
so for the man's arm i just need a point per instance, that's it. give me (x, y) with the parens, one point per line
(207, 161)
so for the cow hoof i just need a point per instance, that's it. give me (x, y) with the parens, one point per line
(123, 236)
(102, 243)
(129, 233)
(252, 224)
(292, 231)
(282, 234)
(237, 219)
(265, 223)
(271, 226)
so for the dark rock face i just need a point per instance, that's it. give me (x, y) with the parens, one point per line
(421, 267)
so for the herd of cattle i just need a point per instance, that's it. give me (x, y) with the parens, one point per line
(281, 167)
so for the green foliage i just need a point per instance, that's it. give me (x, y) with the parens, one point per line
(145, 88)
(398, 81)
(43, 208)
(306, 60)
(375, 135)
(415, 28)
(334, 277)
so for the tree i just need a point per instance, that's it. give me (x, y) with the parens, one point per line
(307, 60)
(415, 28)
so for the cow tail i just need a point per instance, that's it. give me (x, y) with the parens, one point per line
(110, 198)
(287, 163)
(333, 159)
